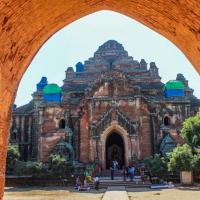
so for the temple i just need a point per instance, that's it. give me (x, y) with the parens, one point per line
(111, 107)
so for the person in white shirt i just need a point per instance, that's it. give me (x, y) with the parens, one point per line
(96, 182)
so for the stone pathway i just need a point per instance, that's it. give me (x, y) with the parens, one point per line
(116, 193)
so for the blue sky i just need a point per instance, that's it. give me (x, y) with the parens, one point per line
(79, 40)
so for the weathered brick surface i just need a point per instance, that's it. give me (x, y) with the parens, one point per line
(145, 138)
(84, 139)
(27, 24)
(47, 144)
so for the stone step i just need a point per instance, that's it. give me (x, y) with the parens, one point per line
(108, 172)
(116, 173)
(127, 184)
(136, 179)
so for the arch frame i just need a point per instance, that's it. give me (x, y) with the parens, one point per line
(23, 33)
(115, 127)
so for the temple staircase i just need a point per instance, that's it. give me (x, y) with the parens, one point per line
(105, 181)
(106, 173)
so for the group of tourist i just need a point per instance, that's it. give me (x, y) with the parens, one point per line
(128, 172)
(82, 182)
(91, 176)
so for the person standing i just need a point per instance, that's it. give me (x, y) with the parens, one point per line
(127, 172)
(142, 173)
(116, 165)
(124, 172)
(96, 182)
(132, 172)
(112, 170)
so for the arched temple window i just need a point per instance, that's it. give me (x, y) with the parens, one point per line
(167, 145)
(167, 121)
(62, 124)
(14, 135)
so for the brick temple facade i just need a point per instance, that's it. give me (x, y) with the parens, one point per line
(112, 107)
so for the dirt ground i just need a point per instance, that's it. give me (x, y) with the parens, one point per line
(180, 193)
(50, 194)
(58, 193)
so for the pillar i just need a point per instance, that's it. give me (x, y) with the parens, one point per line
(4, 127)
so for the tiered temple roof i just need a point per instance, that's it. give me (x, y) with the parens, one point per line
(109, 58)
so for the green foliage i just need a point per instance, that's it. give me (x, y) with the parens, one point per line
(12, 157)
(181, 159)
(57, 159)
(157, 165)
(186, 157)
(20, 168)
(191, 130)
(196, 162)
(59, 166)
(35, 169)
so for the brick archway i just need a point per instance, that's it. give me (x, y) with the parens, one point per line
(115, 127)
(25, 25)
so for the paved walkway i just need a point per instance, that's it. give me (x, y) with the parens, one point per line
(116, 193)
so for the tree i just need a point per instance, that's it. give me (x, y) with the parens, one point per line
(196, 161)
(156, 165)
(59, 166)
(191, 131)
(181, 159)
(12, 156)
(30, 168)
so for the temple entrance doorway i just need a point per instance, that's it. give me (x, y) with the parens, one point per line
(115, 150)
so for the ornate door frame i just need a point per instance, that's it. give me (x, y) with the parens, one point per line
(115, 127)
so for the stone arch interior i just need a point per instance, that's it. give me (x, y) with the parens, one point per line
(115, 150)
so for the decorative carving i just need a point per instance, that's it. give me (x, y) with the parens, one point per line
(68, 131)
(128, 125)
(64, 147)
(107, 118)
(65, 150)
